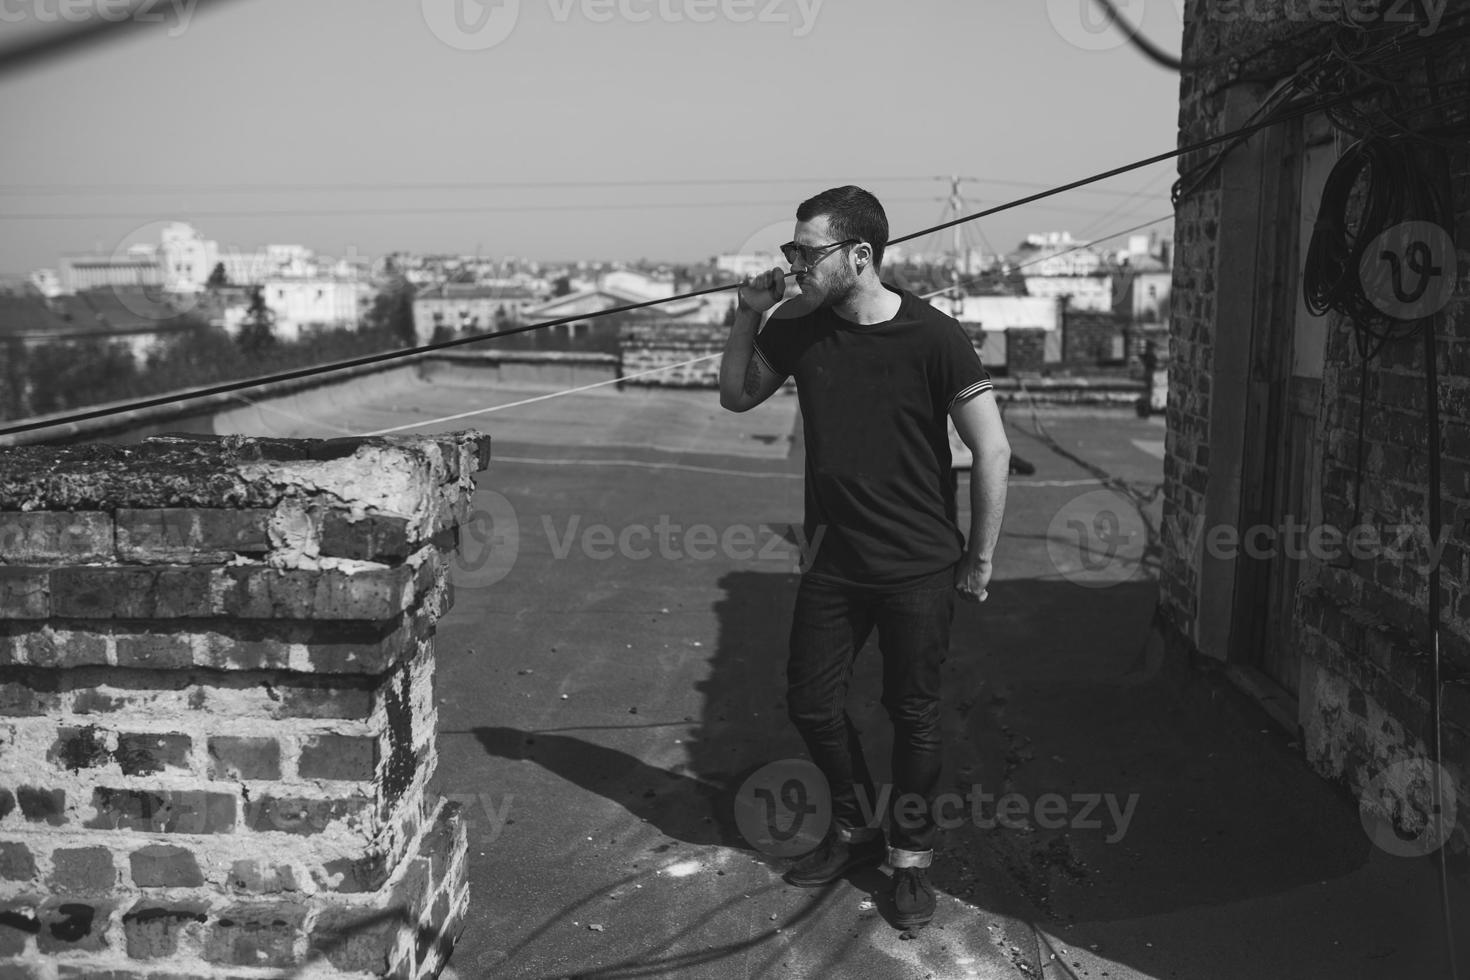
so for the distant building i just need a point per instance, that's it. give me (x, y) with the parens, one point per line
(130, 315)
(989, 317)
(46, 282)
(305, 305)
(596, 299)
(1085, 292)
(136, 267)
(245, 268)
(1145, 276)
(1057, 266)
(469, 307)
(1142, 294)
(740, 265)
(635, 283)
(187, 258)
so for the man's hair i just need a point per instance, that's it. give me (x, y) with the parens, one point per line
(851, 213)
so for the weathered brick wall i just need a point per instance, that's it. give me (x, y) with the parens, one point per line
(1361, 629)
(1025, 350)
(651, 346)
(1090, 338)
(217, 721)
(656, 346)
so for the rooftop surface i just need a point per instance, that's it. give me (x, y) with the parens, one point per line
(600, 704)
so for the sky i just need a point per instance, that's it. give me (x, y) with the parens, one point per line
(671, 130)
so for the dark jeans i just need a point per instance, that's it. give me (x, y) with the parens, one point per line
(829, 627)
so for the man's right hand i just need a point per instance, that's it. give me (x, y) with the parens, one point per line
(763, 291)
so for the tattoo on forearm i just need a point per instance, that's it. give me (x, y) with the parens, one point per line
(752, 377)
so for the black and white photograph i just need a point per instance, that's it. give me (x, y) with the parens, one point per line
(734, 490)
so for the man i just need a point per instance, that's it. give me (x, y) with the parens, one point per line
(877, 371)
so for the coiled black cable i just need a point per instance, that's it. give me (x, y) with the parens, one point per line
(1378, 183)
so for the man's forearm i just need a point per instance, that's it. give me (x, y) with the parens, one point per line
(739, 349)
(988, 476)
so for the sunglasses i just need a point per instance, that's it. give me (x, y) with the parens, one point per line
(810, 255)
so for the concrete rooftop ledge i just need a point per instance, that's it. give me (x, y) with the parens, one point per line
(230, 471)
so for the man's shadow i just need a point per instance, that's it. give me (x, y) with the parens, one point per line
(741, 728)
(690, 809)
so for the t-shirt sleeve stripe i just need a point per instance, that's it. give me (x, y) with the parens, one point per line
(761, 354)
(971, 391)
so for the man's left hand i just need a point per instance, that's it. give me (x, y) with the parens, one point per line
(972, 578)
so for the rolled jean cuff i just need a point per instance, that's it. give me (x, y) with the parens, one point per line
(899, 858)
(856, 835)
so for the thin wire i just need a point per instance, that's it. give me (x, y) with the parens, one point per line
(90, 31)
(539, 398)
(467, 209)
(640, 374)
(1123, 206)
(378, 358)
(45, 190)
(382, 212)
(317, 369)
(1052, 255)
(1157, 158)
(1152, 51)
(652, 465)
(145, 190)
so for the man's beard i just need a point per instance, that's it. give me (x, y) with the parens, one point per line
(839, 290)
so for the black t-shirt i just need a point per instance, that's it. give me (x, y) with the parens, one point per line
(874, 402)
